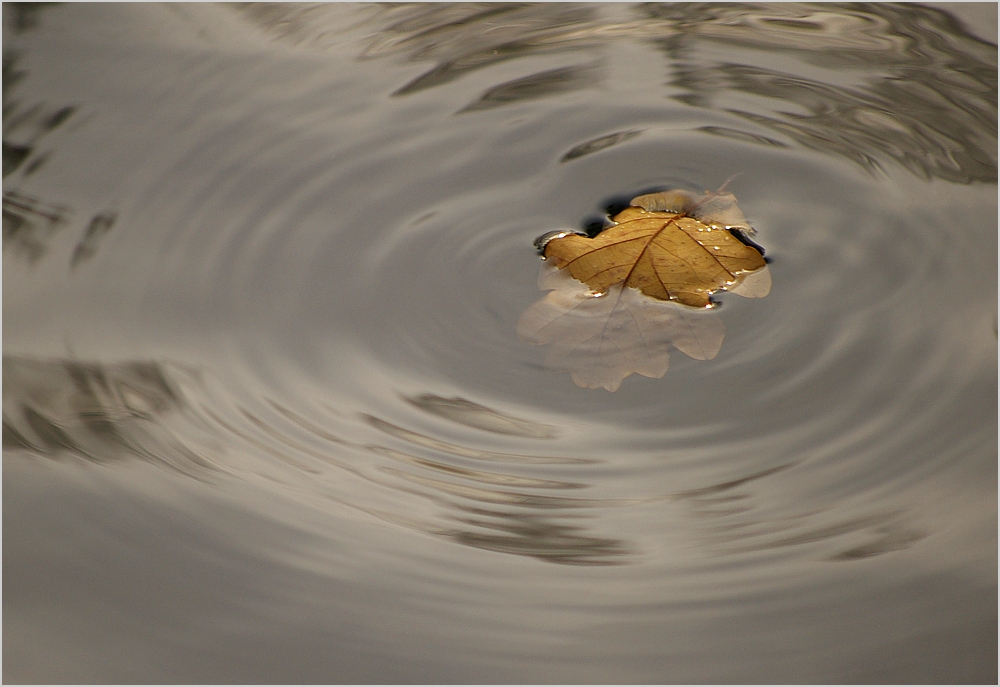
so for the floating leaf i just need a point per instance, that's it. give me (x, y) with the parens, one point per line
(618, 301)
(673, 246)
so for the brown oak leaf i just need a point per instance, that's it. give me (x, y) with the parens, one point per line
(618, 301)
(673, 246)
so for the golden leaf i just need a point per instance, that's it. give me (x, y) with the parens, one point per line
(671, 246)
(618, 301)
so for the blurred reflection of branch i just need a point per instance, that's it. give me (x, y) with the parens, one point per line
(731, 523)
(499, 504)
(599, 144)
(871, 83)
(500, 509)
(101, 413)
(540, 85)
(504, 502)
(465, 452)
(458, 37)
(900, 83)
(530, 535)
(480, 417)
(464, 38)
(99, 226)
(902, 121)
(28, 224)
(25, 125)
(24, 15)
(109, 413)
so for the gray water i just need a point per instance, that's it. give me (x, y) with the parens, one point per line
(266, 417)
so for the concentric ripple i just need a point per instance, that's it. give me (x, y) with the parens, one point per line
(307, 240)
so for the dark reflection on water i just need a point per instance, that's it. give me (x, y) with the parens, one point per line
(911, 95)
(599, 144)
(122, 411)
(528, 534)
(563, 80)
(27, 221)
(493, 506)
(474, 415)
(103, 413)
(24, 16)
(454, 449)
(914, 92)
(265, 414)
(28, 224)
(730, 521)
(466, 38)
(25, 125)
(99, 226)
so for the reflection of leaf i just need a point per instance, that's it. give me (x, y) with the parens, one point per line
(671, 246)
(609, 313)
(603, 339)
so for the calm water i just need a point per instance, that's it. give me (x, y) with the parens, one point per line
(267, 418)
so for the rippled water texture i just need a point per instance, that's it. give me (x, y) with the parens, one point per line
(266, 416)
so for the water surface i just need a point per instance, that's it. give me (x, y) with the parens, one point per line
(266, 416)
